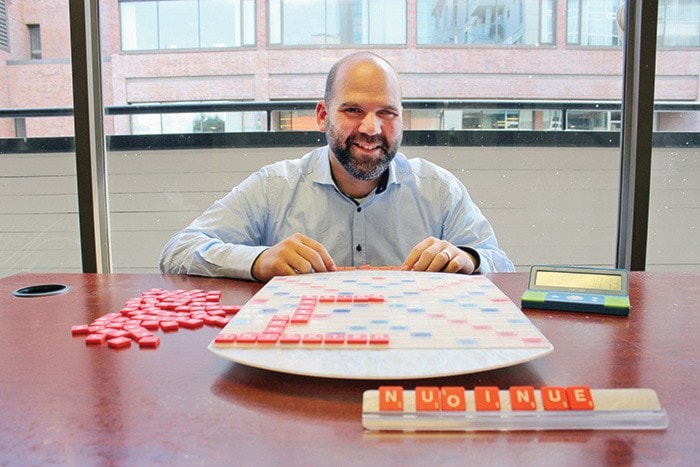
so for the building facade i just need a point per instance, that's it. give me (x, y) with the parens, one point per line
(211, 51)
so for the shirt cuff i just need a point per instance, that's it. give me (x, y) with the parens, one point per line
(474, 254)
(239, 264)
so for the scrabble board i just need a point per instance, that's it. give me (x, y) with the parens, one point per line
(380, 324)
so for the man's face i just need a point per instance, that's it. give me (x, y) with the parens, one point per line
(363, 122)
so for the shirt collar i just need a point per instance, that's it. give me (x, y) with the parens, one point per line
(322, 171)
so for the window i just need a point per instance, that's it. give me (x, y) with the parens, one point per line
(337, 22)
(198, 122)
(4, 31)
(591, 22)
(187, 24)
(20, 127)
(474, 22)
(34, 41)
(679, 23)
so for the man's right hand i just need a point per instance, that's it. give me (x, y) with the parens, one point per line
(297, 254)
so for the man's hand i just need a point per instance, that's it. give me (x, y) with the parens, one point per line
(297, 254)
(435, 255)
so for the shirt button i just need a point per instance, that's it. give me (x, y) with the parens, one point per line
(358, 247)
(359, 209)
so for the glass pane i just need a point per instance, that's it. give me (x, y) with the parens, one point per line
(38, 199)
(531, 132)
(485, 22)
(674, 212)
(139, 25)
(591, 22)
(340, 22)
(178, 23)
(220, 23)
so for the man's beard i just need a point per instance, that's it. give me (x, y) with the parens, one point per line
(368, 168)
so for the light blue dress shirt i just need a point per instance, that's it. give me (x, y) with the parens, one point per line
(420, 200)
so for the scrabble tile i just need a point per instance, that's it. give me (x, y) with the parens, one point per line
(522, 397)
(427, 398)
(149, 342)
(391, 398)
(487, 398)
(452, 398)
(580, 398)
(119, 342)
(554, 398)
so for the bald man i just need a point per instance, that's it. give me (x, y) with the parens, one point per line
(357, 201)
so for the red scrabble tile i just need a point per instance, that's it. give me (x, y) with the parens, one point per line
(119, 342)
(580, 397)
(427, 398)
(312, 338)
(169, 326)
(522, 398)
(247, 337)
(391, 398)
(379, 338)
(231, 309)
(487, 398)
(80, 330)
(225, 338)
(334, 338)
(149, 342)
(191, 323)
(452, 398)
(290, 338)
(357, 338)
(267, 338)
(95, 339)
(554, 398)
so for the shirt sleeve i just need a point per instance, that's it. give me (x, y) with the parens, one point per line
(466, 227)
(226, 239)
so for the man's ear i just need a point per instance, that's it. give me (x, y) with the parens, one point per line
(321, 114)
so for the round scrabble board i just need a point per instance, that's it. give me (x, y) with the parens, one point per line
(380, 324)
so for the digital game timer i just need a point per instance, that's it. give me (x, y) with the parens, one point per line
(584, 289)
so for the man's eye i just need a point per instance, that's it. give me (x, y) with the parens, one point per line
(352, 110)
(388, 114)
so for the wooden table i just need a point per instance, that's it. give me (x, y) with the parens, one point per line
(63, 402)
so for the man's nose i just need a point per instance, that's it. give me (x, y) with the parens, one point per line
(371, 124)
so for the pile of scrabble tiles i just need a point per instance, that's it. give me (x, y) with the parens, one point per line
(156, 309)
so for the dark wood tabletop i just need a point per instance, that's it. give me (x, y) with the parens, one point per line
(62, 402)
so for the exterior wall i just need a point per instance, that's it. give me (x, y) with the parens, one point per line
(263, 73)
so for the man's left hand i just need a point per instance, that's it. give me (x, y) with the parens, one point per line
(435, 255)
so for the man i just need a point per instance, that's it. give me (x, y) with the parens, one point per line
(355, 202)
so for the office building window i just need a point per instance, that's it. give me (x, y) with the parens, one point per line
(474, 22)
(198, 122)
(187, 24)
(592, 23)
(34, 41)
(337, 22)
(20, 127)
(679, 23)
(4, 29)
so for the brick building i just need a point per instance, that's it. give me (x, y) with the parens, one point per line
(198, 51)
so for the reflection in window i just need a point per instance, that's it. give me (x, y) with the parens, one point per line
(592, 22)
(679, 23)
(198, 122)
(336, 22)
(186, 24)
(485, 21)
(593, 120)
